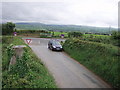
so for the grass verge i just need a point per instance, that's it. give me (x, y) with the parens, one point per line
(103, 59)
(28, 72)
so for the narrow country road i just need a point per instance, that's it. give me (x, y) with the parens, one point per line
(67, 72)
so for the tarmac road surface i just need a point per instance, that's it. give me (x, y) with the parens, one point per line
(67, 72)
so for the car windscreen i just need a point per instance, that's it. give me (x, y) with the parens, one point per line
(56, 43)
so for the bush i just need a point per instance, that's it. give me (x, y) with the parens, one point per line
(8, 28)
(75, 34)
(116, 38)
(6, 51)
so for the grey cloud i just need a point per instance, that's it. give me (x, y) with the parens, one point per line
(55, 13)
(30, 11)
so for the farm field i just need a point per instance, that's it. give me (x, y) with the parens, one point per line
(36, 33)
(96, 35)
(57, 34)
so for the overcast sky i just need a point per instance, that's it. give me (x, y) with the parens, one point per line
(77, 12)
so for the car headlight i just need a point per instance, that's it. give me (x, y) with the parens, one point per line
(54, 46)
(61, 47)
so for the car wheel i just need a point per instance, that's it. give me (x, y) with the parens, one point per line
(52, 49)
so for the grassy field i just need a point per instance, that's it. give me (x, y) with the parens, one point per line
(85, 35)
(30, 35)
(103, 59)
(37, 34)
(28, 72)
(97, 38)
(57, 34)
(96, 35)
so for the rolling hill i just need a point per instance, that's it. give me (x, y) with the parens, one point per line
(65, 28)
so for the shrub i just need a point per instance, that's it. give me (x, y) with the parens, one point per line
(116, 38)
(75, 34)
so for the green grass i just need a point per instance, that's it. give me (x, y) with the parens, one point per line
(96, 35)
(57, 34)
(97, 38)
(103, 59)
(28, 72)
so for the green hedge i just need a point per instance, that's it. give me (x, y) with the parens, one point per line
(103, 59)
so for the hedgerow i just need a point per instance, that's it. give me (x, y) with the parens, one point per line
(103, 59)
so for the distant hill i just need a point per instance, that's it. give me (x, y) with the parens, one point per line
(66, 28)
